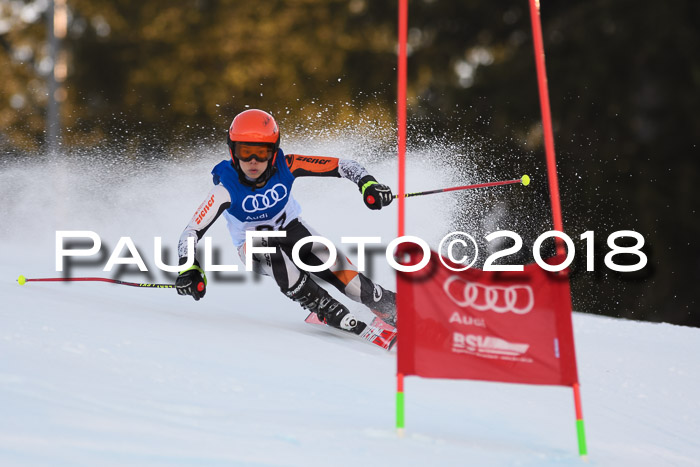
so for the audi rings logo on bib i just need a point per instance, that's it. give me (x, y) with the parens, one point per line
(518, 299)
(260, 202)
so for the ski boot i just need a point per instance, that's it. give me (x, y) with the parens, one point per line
(330, 311)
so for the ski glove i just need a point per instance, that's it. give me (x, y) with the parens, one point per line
(192, 281)
(375, 195)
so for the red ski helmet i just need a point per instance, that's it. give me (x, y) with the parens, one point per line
(256, 127)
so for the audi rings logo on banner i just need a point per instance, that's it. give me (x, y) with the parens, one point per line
(519, 299)
(260, 202)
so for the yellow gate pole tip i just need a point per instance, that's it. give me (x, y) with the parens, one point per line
(22, 280)
(525, 180)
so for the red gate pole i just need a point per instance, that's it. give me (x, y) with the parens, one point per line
(546, 120)
(401, 123)
(553, 181)
(401, 110)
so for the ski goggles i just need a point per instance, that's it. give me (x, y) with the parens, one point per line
(261, 152)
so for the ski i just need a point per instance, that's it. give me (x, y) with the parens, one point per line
(377, 332)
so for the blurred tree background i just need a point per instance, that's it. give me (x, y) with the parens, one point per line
(624, 76)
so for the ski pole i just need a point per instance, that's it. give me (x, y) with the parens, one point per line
(22, 280)
(525, 180)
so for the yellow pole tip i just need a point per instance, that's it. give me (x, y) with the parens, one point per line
(22, 280)
(525, 180)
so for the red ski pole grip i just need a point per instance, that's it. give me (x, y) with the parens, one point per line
(200, 286)
(370, 199)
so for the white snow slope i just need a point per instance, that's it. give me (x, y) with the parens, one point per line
(95, 374)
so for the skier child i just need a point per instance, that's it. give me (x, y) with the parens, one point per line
(253, 192)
